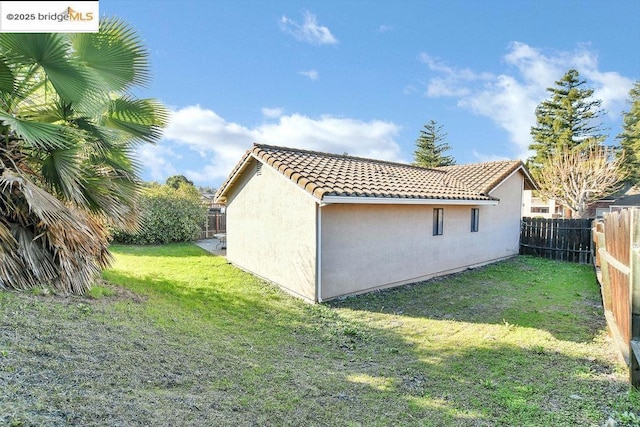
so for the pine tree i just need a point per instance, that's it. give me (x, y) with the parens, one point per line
(430, 148)
(630, 137)
(567, 119)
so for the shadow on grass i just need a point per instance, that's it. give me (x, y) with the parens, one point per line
(224, 348)
(558, 297)
(209, 301)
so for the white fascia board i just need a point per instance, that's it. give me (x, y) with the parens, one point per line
(326, 200)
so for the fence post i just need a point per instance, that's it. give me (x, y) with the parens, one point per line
(604, 270)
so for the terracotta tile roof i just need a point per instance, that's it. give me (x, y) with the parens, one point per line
(482, 177)
(324, 174)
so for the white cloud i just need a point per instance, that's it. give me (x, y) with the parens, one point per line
(194, 131)
(509, 99)
(384, 28)
(438, 87)
(374, 139)
(211, 137)
(272, 113)
(612, 88)
(451, 81)
(312, 74)
(155, 158)
(309, 31)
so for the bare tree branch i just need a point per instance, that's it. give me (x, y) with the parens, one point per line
(578, 176)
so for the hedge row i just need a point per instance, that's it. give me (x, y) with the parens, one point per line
(167, 215)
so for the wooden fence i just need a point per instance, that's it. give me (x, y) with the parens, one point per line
(215, 223)
(617, 240)
(559, 239)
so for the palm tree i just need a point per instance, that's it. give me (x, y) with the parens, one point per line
(68, 129)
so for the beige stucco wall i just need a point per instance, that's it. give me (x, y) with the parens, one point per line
(365, 247)
(271, 230)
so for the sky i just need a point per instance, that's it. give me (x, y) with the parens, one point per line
(364, 77)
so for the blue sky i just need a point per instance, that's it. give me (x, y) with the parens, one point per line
(363, 77)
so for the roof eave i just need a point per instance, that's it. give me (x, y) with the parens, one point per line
(241, 166)
(326, 200)
(529, 182)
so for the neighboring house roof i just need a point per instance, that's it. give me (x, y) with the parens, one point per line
(631, 197)
(334, 177)
(627, 195)
(628, 201)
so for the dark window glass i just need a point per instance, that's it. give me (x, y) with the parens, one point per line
(438, 221)
(475, 219)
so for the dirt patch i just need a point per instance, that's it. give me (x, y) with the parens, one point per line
(119, 294)
(113, 293)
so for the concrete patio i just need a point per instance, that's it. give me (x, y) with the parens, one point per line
(212, 245)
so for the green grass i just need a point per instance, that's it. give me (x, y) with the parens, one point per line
(179, 337)
(99, 291)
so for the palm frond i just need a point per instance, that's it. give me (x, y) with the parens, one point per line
(38, 135)
(51, 52)
(99, 139)
(68, 129)
(141, 119)
(11, 266)
(6, 78)
(56, 244)
(115, 55)
(36, 259)
(112, 189)
(61, 170)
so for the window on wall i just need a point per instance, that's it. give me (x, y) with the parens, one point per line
(475, 219)
(538, 209)
(438, 221)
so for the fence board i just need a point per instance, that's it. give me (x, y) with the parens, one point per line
(215, 223)
(617, 239)
(634, 276)
(559, 239)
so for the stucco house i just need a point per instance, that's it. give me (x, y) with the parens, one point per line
(537, 207)
(324, 225)
(626, 197)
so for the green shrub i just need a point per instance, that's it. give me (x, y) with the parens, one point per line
(167, 215)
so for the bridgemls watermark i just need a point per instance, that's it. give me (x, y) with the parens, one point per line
(49, 16)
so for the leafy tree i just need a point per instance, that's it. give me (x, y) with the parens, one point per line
(567, 140)
(566, 119)
(176, 180)
(430, 149)
(630, 137)
(580, 176)
(167, 215)
(68, 128)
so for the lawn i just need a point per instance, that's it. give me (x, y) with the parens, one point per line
(176, 336)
